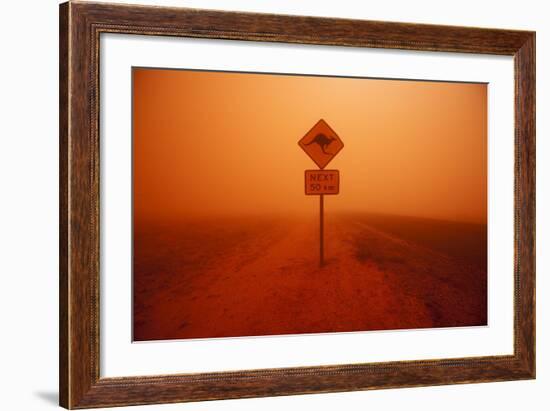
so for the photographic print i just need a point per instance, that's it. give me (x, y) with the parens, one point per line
(279, 181)
(279, 204)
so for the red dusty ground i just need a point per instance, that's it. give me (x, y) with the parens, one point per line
(244, 277)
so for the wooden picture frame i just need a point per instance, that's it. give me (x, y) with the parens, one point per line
(81, 24)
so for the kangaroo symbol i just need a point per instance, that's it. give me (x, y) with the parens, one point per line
(323, 142)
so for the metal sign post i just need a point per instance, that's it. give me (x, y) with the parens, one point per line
(321, 230)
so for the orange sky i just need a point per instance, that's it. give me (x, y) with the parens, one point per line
(226, 143)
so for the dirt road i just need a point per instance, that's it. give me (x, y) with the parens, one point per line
(244, 277)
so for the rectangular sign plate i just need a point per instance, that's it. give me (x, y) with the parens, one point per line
(322, 182)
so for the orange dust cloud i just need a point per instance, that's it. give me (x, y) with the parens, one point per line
(216, 143)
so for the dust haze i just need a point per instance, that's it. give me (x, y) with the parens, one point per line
(210, 143)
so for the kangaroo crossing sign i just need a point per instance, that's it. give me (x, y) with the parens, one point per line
(321, 144)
